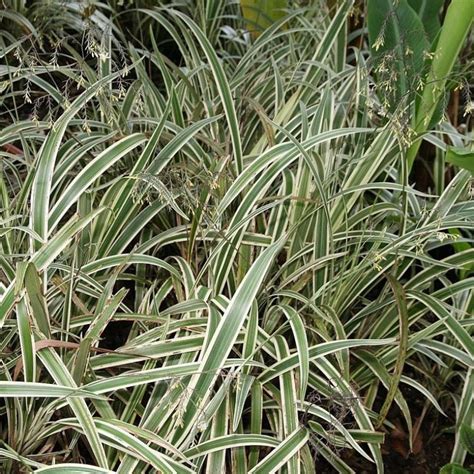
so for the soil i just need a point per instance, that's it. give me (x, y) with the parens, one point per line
(432, 447)
(429, 460)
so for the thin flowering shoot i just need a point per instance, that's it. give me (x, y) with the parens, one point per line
(399, 49)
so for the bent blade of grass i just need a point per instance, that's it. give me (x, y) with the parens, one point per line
(47, 254)
(315, 352)
(41, 188)
(223, 87)
(6, 230)
(448, 350)
(288, 401)
(141, 377)
(451, 194)
(46, 390)
(230, 441)
(299, 333)
(456, 329)
(73, 156)
(111, 261)
(424, 391)
(224, 338)
(286, 152)
(464, 414)
(283, 453)
(177, 143)
(151, 437)
(400, 298)
(336, 424)
(150, 350)
(121, 436)
(60, 373)
(136, 225)
(73, 468)
(90, 173)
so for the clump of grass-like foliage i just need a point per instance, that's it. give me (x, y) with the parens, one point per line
(212, 259)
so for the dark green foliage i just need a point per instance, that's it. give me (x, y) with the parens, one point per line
(398, 46)
(466, 434)
(428, 11)
(453, 468)
(461, 157)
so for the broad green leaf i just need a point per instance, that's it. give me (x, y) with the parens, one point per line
(466, 434)
(37, 300)
(429, 12)
(461, 157)
(25, 333)
(260, 14)
(457, 24)
(453, 468)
